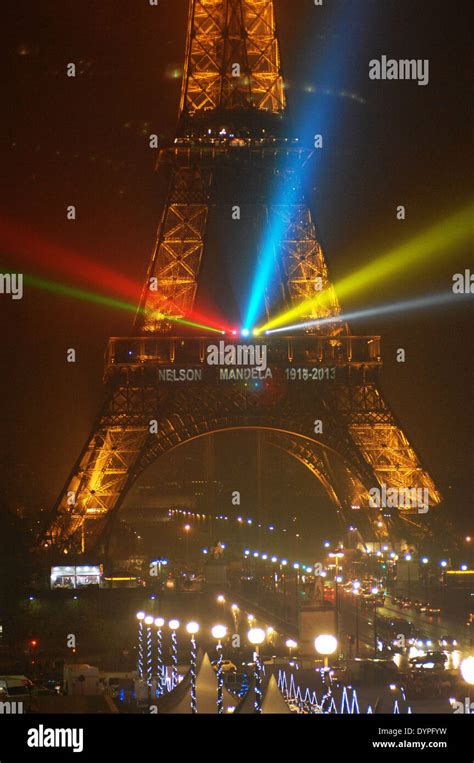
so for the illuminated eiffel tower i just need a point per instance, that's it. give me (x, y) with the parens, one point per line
(231, 148)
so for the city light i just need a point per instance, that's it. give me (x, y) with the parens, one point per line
(256, 636)
(219, 632)
(258, 432)
(325, 644)
(467, 670)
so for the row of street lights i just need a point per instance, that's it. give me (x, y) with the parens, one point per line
(256, 637)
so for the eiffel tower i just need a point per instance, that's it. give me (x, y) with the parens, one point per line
(231, 148)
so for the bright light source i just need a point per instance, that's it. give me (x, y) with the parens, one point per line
(245, 332)
(219, 632)
(325, 644)
(467, 670)
(140, 615)
(256, 636)
(159, 622)
(174, 625)
(192, 628)
(149, 620)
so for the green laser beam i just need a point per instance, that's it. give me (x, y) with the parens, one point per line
(101, 299)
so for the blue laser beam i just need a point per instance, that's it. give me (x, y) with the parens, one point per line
(336, 62)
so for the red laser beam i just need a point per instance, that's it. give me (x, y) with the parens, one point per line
(26, 245)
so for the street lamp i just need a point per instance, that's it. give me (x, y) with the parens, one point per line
(425, 561)
(443, 564)
(468, 540)
(467, 670)
(187, 529)
(408, 558)
(337, 555)
(193, 628)
(290, 645)
(325, 645)
(256, 637)
(149, 620)
(374, 591)
(236, 616)
(160, 668)
(219, 632)
(140, 618)
(174, 625)
(355, 591)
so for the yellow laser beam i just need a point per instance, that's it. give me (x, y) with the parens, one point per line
(433, 242)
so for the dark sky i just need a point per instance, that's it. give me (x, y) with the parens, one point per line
(84, 142)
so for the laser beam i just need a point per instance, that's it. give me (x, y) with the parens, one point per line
(408, 256)
(40, 252)
(395, 307)
(102, 299)
(333, 64)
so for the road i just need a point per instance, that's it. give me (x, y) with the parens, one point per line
(425, 627)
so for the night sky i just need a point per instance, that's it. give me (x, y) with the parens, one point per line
(84, 141)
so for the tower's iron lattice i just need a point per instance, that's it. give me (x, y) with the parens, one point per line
(231, 148)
